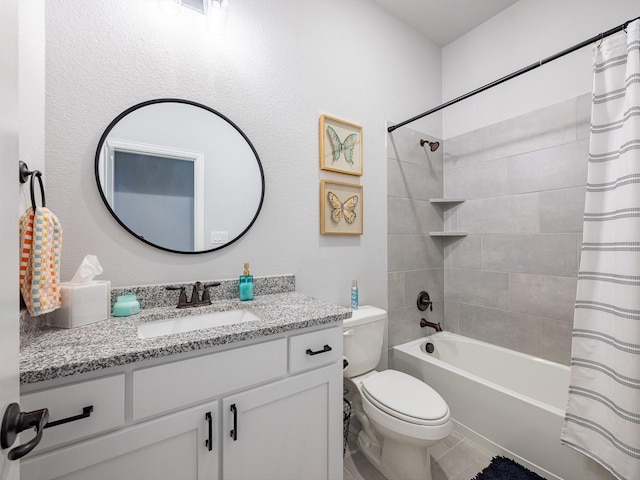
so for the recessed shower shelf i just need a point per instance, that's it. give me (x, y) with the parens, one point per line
(446, 202)
(448, 234)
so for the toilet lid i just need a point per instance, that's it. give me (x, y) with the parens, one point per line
(405, 397)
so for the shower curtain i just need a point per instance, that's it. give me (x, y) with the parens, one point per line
(603, 412)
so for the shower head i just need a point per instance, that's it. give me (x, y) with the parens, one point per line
(433, 146)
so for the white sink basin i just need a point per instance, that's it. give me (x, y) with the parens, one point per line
(194, 322)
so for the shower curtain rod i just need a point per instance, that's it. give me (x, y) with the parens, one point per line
(533, 66)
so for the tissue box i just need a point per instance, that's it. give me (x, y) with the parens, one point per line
(82, 303)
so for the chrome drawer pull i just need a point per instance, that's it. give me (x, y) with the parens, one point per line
(86, 413)
(326, 348)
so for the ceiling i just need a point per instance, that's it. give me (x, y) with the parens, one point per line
(442, 21)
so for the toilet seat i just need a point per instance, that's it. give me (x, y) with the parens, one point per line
(405, 398)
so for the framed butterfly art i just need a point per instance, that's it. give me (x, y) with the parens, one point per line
(340, 146)
(340, 208)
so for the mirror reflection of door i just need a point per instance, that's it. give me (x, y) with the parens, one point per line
(226, 164)
(155, 193)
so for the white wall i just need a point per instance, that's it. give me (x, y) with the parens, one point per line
(31, 91)
(526, 32)
(280, 65)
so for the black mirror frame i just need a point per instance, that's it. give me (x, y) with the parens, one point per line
(195, 104)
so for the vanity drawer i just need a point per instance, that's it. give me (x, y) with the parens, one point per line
(311, 350)
(105, 395)
(186, 382)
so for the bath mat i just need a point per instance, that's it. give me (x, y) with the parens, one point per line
(503, 468)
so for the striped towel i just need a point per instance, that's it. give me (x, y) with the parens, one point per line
(40, 249)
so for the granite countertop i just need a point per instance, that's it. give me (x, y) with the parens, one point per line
(47, 353)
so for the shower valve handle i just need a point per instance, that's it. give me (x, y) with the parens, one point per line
(424, 302)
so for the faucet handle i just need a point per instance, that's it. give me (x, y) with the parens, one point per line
(182, 299)
(206, 297)
(424, 302)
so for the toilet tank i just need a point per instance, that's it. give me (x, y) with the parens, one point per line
(363, 335)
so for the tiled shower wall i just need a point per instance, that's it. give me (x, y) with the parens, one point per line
(512, 280)
(415, 260)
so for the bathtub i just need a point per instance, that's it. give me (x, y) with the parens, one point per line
(508, 402)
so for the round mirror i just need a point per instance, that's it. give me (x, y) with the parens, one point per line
(179, 176)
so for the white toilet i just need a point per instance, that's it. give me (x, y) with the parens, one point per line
(401, 416)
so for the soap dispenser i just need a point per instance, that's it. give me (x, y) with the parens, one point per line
(246, 284)
(354, 294)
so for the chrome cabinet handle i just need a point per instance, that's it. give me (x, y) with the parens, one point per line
(325, 349)
(14, 421)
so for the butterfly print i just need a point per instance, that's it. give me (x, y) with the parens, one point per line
(345, 147)
(340, 209)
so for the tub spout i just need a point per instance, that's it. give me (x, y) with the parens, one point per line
(425, 323)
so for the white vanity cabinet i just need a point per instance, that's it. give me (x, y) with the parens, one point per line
(268, 410)
(290, 429)
(286, 430)
(171, 447)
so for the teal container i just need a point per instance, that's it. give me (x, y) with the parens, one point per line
(245, 284)
(126, 305)
(246, 287)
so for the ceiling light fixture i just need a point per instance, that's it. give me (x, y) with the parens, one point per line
(215, 11)
(170, 7)
(216, 15)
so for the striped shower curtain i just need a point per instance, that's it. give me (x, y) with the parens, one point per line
(603, 413)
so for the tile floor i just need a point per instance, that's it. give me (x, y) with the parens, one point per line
(455, 458)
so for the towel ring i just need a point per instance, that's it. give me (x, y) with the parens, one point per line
(37, 173)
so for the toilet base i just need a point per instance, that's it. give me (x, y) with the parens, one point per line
(396, 460)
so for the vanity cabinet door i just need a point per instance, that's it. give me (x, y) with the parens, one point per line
(290, 429)
(181, 446)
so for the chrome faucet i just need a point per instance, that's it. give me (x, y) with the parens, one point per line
(197, 299)
(425, 323)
